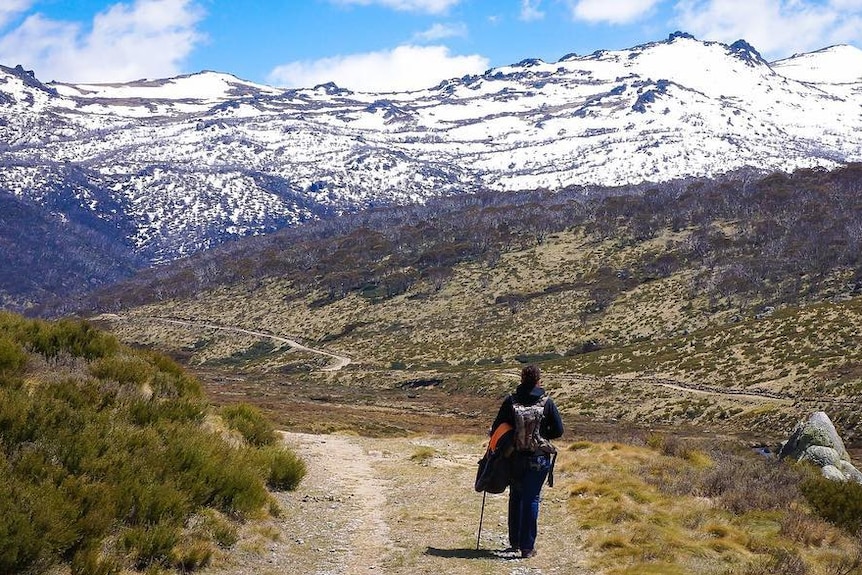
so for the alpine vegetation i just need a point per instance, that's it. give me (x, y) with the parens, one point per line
(111, 459)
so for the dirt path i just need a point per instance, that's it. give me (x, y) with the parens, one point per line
(678, 386)
(400, 506)
(339, 361)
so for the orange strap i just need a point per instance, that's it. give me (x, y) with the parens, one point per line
(499, 432)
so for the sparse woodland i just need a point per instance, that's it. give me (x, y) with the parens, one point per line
(752, 240)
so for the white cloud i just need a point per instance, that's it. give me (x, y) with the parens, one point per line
(846, 4)
(148, 38)
(427, 6)
(530, 10)
(12, 8)
(611, 11)
(440, 31)
(777, 28)
(400, 69)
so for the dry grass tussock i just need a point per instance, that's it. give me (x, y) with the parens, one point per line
(670, 507)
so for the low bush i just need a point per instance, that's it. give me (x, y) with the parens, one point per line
(112, 468)
(779, 561)
(124, 369)
(743, 483)
(12, 356)
(285, 469)
(250, 423)
(213, 525)
(191, 555)
(423, 454)
(150, 544)
(838, 502)
(537, 357)
(48, 339)
(738, 481)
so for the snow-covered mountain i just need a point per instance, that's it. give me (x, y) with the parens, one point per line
(179, 164)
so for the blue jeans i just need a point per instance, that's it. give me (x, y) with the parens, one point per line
(524, 502)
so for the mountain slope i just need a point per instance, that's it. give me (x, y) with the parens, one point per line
(189, 162)
(730, 304)
(840, 64)
(43, 254)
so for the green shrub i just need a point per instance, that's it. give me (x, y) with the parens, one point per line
(148, 411)
(12, 356)
(123, 369)
(537, 357)
(16, 425)
(219, 528)
(149, 544)
(91, 561)
(423, 454)
(237, 488)
(157, 502)
(838, 502)
(250, 422)
(75, 337)
(171, 379)
(286, 470)
(20, 542)
(97, 480)
(192, 555)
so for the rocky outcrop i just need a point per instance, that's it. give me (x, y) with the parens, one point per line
(817, 442)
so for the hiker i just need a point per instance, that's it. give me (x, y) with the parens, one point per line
(532, 462)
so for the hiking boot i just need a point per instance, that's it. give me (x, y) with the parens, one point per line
(527, 553)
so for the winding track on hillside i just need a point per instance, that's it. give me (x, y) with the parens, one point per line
(686, 387)
(339, 361)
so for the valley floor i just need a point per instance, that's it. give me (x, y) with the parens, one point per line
(398, 506)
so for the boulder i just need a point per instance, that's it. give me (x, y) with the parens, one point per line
(820, 456)
(816, 441)
(832, 473)
(850, 471)
(817, 430)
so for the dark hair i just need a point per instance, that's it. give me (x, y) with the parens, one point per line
(530, 376)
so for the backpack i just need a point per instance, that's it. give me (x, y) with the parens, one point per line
(496, 466)
(528, 425)
(528, 437)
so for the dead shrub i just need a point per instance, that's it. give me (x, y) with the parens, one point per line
(805, 529)
(741, 483)
(778, 561)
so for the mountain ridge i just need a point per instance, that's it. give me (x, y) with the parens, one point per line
(171, 175)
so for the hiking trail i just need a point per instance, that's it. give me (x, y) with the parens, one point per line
(338, 361)
(398, 506)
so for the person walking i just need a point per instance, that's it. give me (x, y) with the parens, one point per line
(536, 420)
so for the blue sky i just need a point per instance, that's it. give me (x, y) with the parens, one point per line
(382, 44)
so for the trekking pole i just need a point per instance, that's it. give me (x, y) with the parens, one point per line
(481, 517)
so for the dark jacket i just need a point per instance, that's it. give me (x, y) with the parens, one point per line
(552, 424)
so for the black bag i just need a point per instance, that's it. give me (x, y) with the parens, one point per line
(496, 468)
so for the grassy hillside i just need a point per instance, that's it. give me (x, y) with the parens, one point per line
(111, 459)
(676, 507)
(728, 304)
